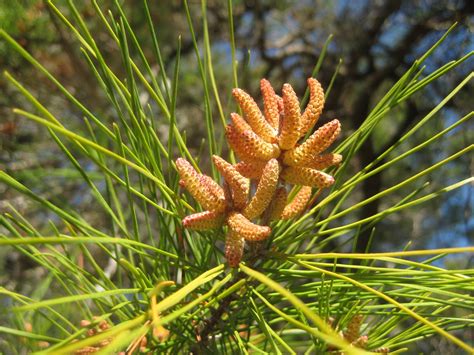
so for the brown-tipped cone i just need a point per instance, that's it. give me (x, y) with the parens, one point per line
(314, 108)
(306, 176)
(278, 204)
(203, 220)
(265, 189)
(270, 104)
(238, 184)
(318, 142)
(250, 147)
(298, 204)
(290, 125)
(325, 161)
(254, 116)
(234, 248)
(200, 188)
(353, 328)
(250, 169)
(250, 231)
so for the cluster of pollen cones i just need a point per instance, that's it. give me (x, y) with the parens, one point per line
(272, 153)
(352, 335)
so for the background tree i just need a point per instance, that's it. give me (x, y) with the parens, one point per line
(371, 44)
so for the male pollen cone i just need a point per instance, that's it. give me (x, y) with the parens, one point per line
(325, 161)
(249, 146)
(290, 126)
(200, 188)
(254, 116)
(270, 104)
(298, 204)
(307, 177)
(265, 189)
(238, 184)
(318, 142)
(353, 328)
(279, 203)
(314, 108)
(203, 220)
(234, 248)
(249, 231)
(251, 169)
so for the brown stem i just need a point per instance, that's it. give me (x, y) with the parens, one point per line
(211, 324)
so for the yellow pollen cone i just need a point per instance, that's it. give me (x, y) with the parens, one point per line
(290, 125)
